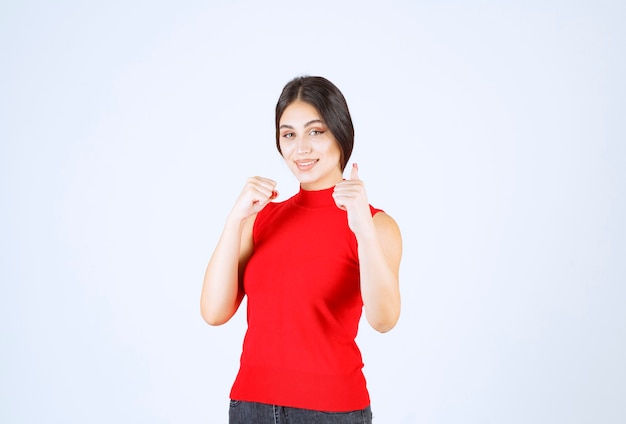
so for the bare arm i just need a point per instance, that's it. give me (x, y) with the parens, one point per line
(222, 289)
(380, 252)
(379, 249)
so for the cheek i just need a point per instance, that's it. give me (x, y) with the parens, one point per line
(334, 148)
(282, 149)
(286, 150)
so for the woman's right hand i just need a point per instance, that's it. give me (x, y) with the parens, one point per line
(222, 289)
(257, 193)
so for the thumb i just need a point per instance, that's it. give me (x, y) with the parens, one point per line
(354, 173)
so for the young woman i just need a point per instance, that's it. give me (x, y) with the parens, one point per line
(309, 266)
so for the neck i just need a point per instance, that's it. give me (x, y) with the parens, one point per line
(328, 182)
(317, 187)
(321, 198)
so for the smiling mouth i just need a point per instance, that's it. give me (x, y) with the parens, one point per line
(306, 164)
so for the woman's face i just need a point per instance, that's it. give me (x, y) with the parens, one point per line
(308, 147)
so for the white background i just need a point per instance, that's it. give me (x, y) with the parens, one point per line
(493, 132)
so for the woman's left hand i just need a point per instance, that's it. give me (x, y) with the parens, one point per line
(378, 266)
(350, 196)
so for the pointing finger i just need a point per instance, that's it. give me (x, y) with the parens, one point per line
(354, 173)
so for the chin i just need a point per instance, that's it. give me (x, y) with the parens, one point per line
(307, 181)
(304, 177)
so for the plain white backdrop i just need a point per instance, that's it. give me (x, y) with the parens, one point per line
(493, 132)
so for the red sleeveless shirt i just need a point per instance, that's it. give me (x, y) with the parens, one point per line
(304, 306)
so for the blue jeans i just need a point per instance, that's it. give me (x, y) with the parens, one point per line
(261, 413)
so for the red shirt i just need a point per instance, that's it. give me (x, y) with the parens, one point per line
(304, 307)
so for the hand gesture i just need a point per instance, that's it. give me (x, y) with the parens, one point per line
(350, 196)
(257, 193)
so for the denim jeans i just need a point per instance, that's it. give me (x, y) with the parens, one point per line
(260, 413)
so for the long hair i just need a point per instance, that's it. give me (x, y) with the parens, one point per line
(328, 100)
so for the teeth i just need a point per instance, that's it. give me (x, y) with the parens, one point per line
(306, 163)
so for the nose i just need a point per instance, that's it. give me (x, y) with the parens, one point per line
(304, 146)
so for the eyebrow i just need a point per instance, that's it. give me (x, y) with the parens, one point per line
(315, 121)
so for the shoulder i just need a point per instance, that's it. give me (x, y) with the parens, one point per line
(389, 236)
(268, 217)
(386, 225)
(381, 218)
(270, 210)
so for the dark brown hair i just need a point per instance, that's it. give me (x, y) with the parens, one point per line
(326, 98)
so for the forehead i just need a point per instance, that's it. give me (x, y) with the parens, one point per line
(299, 112)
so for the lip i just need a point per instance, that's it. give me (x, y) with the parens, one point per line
(306, 164)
